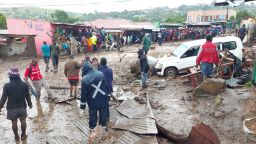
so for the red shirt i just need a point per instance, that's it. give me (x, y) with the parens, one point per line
(209, 54)
(33, 72)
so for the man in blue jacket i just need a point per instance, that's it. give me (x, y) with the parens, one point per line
(144, 68)
(108, 73)
(95, 93)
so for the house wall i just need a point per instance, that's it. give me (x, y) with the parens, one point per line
(209, 15)
(13, 47)
(21, 48)
(31, 27)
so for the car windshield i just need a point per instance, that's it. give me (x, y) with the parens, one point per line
(180, 50)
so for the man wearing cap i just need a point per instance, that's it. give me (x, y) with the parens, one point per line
(207, 57)
(16, 93)
(95, 93)
(33, 72)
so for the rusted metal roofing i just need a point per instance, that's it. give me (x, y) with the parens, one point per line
(203, 134)
(15, 35)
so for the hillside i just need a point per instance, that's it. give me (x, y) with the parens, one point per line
(161, 14)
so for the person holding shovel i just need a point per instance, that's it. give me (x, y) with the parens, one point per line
(16, 93)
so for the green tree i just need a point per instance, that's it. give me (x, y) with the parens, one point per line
(232, 18)
(3, 24)
(176, 19)
(60, 16)
(243, 15)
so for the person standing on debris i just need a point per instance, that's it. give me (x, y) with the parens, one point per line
(108, 73)
(207, 57)
(55, 56)
(95, 93)
(46, 52)
(16, 92)
(242, 33)
(71, 71)
(33, 72)
(146, 43)
(144, 68)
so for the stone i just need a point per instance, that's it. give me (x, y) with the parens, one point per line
(210, 87)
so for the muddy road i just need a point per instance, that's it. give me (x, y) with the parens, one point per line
(174, 106)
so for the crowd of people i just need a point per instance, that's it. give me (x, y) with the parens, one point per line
(96, 39)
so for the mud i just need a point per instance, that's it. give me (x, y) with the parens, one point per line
(174, 106)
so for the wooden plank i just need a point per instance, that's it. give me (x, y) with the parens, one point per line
(65, 100)
(59, 87)
(193, 70)
(185, 76)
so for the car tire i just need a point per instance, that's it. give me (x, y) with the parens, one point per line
(171, 72)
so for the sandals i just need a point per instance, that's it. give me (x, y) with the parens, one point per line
(24, 137)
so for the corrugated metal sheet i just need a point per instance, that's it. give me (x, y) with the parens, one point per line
(83, 125)
(63, 140)
(126, 137)
(139, 126)
(114, 115)
(131, 109)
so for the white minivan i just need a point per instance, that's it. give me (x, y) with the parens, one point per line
(184, 56)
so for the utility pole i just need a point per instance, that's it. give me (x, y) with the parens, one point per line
(227, 14)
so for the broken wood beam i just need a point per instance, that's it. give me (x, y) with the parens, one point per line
(59, 87)
(66, 100)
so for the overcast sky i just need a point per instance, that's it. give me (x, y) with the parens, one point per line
(85, 6)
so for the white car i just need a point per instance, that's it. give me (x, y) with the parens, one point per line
(184, 56)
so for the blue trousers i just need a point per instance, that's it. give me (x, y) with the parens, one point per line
(207, 69)
(144, 78)
(93, 118)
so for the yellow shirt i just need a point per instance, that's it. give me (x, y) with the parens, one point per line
(94, 40)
